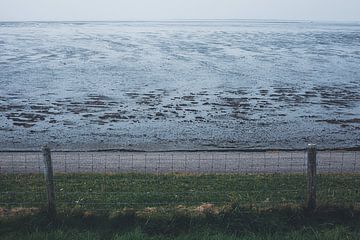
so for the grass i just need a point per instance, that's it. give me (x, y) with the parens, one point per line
(226, 222)
(180, 206)
(114, 191)
(338, 233)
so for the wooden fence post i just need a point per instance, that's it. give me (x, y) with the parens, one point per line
(311, 177)
(49, 178)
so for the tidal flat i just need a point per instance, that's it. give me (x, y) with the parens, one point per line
(194, 85)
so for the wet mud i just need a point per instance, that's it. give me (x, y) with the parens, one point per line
(179, 86)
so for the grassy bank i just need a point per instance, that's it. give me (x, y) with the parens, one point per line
(226, 222)
(167, 206)
(338, 233)
(111, 192)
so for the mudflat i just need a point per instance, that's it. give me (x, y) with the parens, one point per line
(179, 85)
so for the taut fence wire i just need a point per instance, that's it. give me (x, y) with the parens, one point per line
(113, 180)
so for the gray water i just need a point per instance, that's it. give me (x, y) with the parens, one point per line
(179, 85)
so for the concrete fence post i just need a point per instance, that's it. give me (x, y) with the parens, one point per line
(49, 179)
(311, 177)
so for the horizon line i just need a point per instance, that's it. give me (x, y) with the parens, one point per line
(195, 19)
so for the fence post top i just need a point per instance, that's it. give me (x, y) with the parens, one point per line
(45, 147)
(311, 146)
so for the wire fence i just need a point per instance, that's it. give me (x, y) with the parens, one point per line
(114, 180)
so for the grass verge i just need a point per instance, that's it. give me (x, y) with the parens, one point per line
(202, 222)
(178, 206)
(115, 191)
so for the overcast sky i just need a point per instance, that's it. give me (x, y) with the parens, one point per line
(47, 10)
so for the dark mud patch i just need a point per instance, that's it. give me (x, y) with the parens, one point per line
(338, 96)
(91, 104)
(97, 97)
(6, 108)
(45, 109)
(114, 117)
(310, 94)
(229, 112)
(149, 99)
(95, 103)
(78, 109)
(238, 92)
(132, 95)
(25, 117)
(88, 115)
(188, 98)
(22, 124)
(235, 102)
(264, 92)
(240, 115)
(341, 121)
(159, 114)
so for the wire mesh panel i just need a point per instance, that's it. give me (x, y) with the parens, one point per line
(338, 178)
(112, 180)
(21, 180)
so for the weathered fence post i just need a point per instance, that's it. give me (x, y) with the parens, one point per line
(311, 177)
(49, 178)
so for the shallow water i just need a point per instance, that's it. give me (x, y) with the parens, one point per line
(179, 85)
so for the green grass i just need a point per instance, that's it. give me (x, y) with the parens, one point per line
(337, 233)
(170, 206)
(228, 222)
(109, 192)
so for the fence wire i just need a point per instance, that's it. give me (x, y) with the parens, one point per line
(113, 180)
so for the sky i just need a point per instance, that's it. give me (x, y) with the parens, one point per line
(102, 10)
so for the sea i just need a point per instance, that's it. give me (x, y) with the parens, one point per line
(179, 85)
